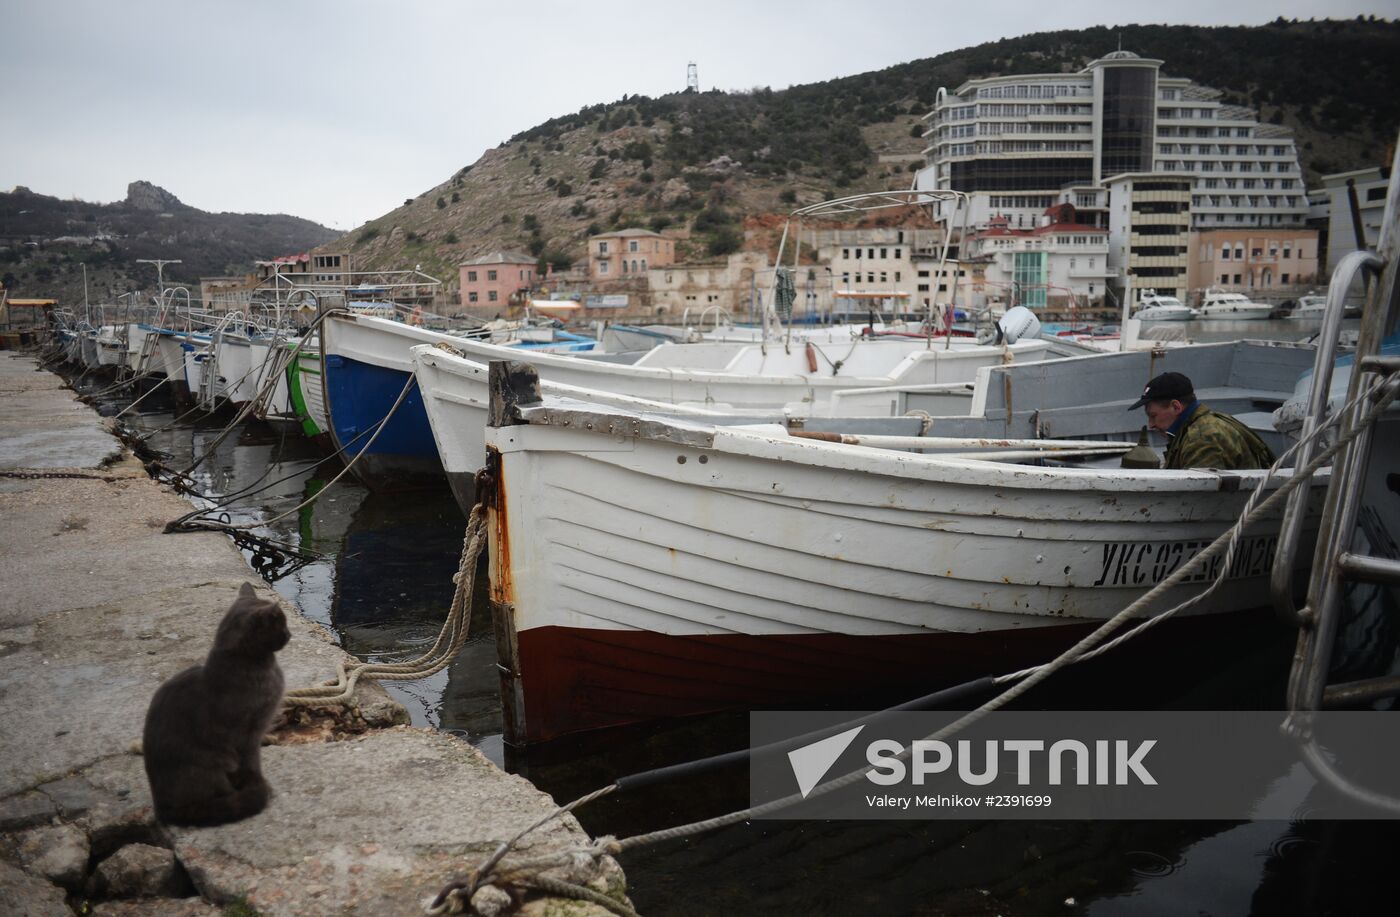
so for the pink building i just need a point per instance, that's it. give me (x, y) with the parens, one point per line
(1248, 260)
(496, 279)
(628, 253)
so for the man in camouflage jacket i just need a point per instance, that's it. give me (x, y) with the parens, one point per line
(1199, 437)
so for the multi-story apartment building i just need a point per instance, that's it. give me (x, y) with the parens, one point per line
(1018, 143)
(1056, 262)
(627, 253)
(1149, 227)
(495, 279)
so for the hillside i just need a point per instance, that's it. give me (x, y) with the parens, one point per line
(45, 241)
(700, 165)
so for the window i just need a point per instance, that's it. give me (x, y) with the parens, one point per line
(871, 253)
(858, 251)
(1256, 252)
(491, 295)
(897, 251)
(1224, 253)
(471, 297)
(1287, 252)
(884, 253)
(602, 267)
(624, 265)
(471, 276)
(602, 248)
(632, 245)
(1283, 278)
(644, 264)
(1237, 279)
(490, 275)
(1073, 263)
(1224, 278)
(846, 254)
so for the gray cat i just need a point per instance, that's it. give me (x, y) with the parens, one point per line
(204, 729)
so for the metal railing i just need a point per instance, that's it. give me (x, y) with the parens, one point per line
(1337, 563)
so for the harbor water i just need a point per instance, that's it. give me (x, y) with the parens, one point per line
(379, 577)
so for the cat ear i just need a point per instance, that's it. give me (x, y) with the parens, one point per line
(246, 591)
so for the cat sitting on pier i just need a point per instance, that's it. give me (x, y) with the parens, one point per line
(204, 729)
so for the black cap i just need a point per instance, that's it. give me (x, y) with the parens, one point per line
(1166, 387)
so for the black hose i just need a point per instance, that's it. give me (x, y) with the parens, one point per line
(944, 698)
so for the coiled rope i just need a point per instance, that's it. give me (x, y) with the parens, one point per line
(449, 640)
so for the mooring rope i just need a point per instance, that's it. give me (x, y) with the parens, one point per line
(448, 644)
(452, 897)
(187, 522)
(153, 389)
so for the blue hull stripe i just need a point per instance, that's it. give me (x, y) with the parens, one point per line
(359, 396)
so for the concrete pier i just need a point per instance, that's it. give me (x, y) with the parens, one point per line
(98, 607)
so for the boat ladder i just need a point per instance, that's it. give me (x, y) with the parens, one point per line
(208, 395)
(144, 359)
(1352, 549)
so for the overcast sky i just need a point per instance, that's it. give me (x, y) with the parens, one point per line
(338, 110)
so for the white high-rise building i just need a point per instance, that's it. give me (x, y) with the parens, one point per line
(1019, 144)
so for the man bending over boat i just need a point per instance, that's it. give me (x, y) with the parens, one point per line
(1197, 436)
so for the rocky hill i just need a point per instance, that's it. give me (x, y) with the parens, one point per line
(45, 241)
(706, 166)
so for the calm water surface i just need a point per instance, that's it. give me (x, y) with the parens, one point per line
(381, 582)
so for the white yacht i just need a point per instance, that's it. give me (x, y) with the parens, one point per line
(1312, 306)
(1159, 307)
(1217, 304)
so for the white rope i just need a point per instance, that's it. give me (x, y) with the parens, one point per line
(448, 644)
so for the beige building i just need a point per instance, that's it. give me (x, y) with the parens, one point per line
(1253, 260)
(1149, 220)
(627, 253)
(227, 294)
(705, 290)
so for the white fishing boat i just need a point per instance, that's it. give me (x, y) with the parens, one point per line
(645, 565)
(1159, 307)
(1218, 304)
(111, 346)
(724, 377)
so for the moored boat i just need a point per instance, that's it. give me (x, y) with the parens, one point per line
(725, 377)
(1218, 304)
(646, 566)
(1159, 307)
